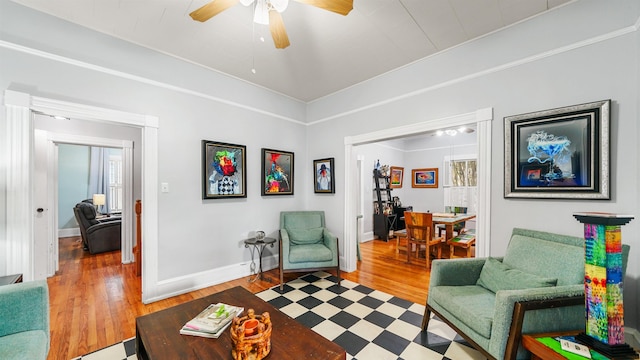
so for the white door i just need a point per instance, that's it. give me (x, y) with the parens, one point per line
(43, 264)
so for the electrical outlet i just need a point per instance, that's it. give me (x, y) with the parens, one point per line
(164, 187)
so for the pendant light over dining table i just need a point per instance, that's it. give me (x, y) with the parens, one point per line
(267, 12)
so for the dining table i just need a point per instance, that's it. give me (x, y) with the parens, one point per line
(449, 220)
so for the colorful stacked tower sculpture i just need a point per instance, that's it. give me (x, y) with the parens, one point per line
(603, 283)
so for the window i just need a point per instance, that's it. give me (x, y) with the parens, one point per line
(115, 184)
(463, 173)
(460, 182)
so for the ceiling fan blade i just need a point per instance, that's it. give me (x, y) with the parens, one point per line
(212, 9)
(341, 7)
(278, 32)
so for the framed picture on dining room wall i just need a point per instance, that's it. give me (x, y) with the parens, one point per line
(395, 177)
(561, 153)
(277, 172)
(324, 177)
(424, 178)
(224, 172)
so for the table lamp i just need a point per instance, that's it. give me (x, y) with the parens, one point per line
(99, 200)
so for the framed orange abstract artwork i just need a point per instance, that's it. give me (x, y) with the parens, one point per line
(395, 177)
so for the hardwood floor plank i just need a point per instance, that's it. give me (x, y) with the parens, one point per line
(94, 299)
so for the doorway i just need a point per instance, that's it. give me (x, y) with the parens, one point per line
(481, 118)
(46, 225)
(20, 108)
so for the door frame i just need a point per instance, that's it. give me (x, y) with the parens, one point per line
(19, 109)
(482, 118)
(52, 141)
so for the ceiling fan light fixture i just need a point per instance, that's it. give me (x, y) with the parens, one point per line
(268, 12)
(279, 5)
(261, 15)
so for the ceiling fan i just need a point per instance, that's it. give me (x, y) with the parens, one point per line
(267, 12)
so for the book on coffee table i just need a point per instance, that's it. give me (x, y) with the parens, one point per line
(212, 321)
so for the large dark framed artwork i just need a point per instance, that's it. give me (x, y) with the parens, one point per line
(559, 153)
(277, 172)
(324, 180)
(224, 172)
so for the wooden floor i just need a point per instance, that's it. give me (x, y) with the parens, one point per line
(95, 299)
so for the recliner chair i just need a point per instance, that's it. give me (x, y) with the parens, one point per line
(97, 235)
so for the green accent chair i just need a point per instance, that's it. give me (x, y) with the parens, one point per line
(306, 244)
(24, 320)
(537, 287)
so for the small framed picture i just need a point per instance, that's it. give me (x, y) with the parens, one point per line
(395, 177)
(324, 181)
(424, 178)
(277, 172)
(224, 172)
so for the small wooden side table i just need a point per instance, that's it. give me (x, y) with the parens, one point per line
(10, 279)
(461, 244)
(540, 351)
(257, 246)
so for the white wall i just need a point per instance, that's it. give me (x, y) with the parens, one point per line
(585, 51)
(430, 153)
(195, 236)
(582, 52)
(411, 153)
(389, 153)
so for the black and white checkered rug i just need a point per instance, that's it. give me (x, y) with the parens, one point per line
(367, 323)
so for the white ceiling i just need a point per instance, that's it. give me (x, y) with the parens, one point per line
(328, 52)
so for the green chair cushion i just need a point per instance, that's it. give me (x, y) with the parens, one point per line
(24, 345)
(496, 276)
(472, 305)
(305, 236)
(309, 253)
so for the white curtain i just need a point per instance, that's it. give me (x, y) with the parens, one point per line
(463, 197)
(99, 174)
(460, 187)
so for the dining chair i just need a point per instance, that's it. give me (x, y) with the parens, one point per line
(401, 240)
(420, 233)
(459, 228)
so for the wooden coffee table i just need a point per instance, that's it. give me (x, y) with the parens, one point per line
(158, 334)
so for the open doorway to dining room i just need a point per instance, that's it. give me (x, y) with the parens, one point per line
(356, 191)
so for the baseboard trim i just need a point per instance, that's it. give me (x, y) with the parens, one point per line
(192, 282)
(68, 232)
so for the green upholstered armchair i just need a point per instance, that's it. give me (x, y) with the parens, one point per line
(24, 320)
(537, 287)
(306, 244)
